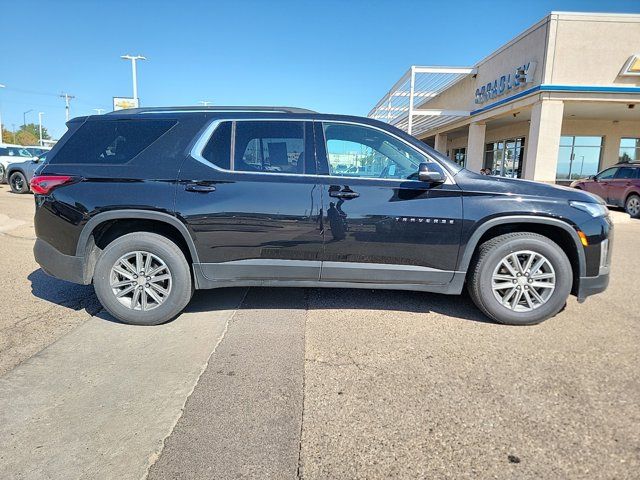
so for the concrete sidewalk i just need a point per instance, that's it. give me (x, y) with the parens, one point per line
(99, 402)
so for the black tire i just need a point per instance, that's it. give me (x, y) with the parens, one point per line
(2, 171)
(18, 183)
(488, 257)
(632, 205)
(181, 286)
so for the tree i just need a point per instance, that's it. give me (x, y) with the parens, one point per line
(25, 137)
(34, 129)
(7, 136)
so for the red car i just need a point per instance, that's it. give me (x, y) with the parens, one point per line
(618, 186)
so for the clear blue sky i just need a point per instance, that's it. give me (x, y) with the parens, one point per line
(327, 55)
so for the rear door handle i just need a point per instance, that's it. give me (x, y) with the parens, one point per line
(199, 187)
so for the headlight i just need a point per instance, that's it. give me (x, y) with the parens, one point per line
(593, 209)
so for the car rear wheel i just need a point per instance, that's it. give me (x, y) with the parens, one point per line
(18, 183)
(632, 206)
(2, 171)
(143, 279)
(520, 278)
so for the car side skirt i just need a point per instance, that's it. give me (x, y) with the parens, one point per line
(297, 273)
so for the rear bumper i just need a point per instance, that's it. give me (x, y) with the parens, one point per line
(59, 265)
(592, 285)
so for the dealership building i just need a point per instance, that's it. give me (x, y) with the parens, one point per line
(558, 102)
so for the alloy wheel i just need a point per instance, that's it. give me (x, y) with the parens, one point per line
(140, 280)
(17, 182)
(633, 206)
(523, 281)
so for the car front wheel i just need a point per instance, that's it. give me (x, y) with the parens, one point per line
(632, 206)
(143, 279)
(18, 183)
(520, 278)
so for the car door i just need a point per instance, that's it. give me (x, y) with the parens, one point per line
(618, 186)
(249, 198)
(380, 223)
(600, 183)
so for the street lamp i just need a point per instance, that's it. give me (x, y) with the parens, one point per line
(133, 59)
(24, 117)
(205, 103)
(40, 125)
(99, 110)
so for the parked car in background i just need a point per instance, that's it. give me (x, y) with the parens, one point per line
(19, 174)
(36, 150)
(11, 153)
(618, 186)
(149, 204)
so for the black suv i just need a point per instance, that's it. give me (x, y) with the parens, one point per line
(150, 204)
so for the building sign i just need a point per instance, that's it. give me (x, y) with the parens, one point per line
(632, 67)
(519, 78)
(122, 103)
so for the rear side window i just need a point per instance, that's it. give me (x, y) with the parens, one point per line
(627, 172)
(275, 147)
(110, 141)
(218, 149)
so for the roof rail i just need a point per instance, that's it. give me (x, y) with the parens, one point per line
(134, 111)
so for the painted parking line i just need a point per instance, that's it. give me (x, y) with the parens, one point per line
(100, 401)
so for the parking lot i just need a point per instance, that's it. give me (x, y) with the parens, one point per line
(312, 383)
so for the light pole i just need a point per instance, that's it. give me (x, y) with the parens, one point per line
(99, 110)
(133, 59)
(24, 117)
(1, 86)
(40, 125)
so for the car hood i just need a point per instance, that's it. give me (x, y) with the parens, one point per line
(470, 181)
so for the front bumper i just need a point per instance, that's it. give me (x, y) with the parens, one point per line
(592, 285)
(59, 265)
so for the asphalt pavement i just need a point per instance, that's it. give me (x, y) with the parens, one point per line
(313, 383)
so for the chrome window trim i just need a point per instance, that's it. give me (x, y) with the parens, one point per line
(201, 143)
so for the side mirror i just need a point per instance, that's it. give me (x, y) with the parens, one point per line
(36, 160)
(429, 176)
(592, 177)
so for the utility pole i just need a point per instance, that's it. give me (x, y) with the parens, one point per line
(99, 110)
(66, 97)
(205, 103)
(134, 73)
(40, 125)
(1, 86)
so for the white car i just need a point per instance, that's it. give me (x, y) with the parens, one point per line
(9, 154)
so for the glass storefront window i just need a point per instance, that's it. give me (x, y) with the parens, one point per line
(504, 157)
(629, 150)
(578, 157)
(459, 155)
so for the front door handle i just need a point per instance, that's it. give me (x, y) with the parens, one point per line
(200, 188)
(346, 194)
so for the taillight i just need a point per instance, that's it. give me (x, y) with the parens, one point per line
(43, 184)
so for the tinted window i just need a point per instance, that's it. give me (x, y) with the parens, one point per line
(14, 152)
(626, 172)
(358, 151)
(218, 150)
(111, 141)
(275, 147)
(607, 174)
